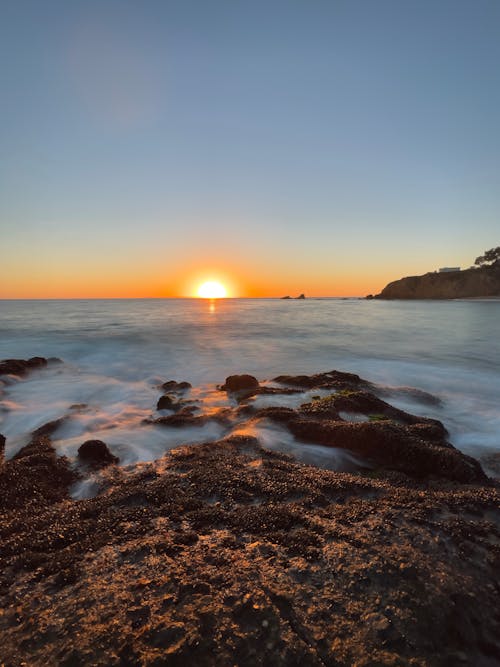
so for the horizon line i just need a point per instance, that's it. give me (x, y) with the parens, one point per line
(191, 298)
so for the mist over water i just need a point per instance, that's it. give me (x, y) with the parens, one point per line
(118, 352)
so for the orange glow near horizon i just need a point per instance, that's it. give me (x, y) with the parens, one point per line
(241, 277)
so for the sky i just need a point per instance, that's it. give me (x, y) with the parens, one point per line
(316, 146)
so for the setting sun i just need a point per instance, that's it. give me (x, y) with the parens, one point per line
(212, 290)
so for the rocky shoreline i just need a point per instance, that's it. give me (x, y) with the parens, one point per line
(227, 553)
(482, 282)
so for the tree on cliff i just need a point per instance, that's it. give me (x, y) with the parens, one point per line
(491, 257)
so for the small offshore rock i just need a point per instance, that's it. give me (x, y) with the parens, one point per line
(235, 383)
(174, 386)
(21, 366)
(166, 402)
(96, 453)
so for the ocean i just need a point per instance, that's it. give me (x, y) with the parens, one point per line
(116, 354)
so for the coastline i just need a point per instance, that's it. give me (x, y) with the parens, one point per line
(231, 553)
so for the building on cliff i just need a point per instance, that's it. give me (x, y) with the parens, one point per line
(449, 269)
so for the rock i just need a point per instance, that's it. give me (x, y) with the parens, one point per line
(329, 380)
(286, 297)
(276, 414)
(237, 383)
(176, 387)
(96, 454)
(49, 428)
(323, 408)
(36, 475)
(185, 417)
(235, 555)
(273, 391)
(21, 366)
(2, 448)
(392, 447)
(366, 403)
(170, 402)
(166, 402)
(301, 296)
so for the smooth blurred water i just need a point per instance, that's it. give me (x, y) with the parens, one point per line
(116, 352)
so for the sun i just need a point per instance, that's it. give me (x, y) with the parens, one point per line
(212, 290)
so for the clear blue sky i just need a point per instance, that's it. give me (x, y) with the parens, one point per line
(322, 146)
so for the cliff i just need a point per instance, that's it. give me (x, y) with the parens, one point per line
(481, 282)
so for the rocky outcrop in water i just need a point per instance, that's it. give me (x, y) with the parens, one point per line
(95, 453)
(21, 366)
(477, 282)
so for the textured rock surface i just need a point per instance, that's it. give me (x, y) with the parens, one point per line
(235, 383)
(227, 554)
(35, 477)
(230, 554)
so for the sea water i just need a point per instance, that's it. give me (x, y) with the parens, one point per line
(117, 353)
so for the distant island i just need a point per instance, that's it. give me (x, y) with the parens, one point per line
(301, 296)
(481, 280)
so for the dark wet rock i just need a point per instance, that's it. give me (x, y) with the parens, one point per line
(96, 454)
(330, 380)
(36, 475)
(392, 446)
(2, 448)
(366, 403)
(21, 366)
(276, 414)
(167, 402)
(176, 387)
(276, 391)
(171, 402)
(429, 430)
(323, 408)
(181, 420)
(49, 428)
(305, 381)
(185, 417)
(240, 383)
